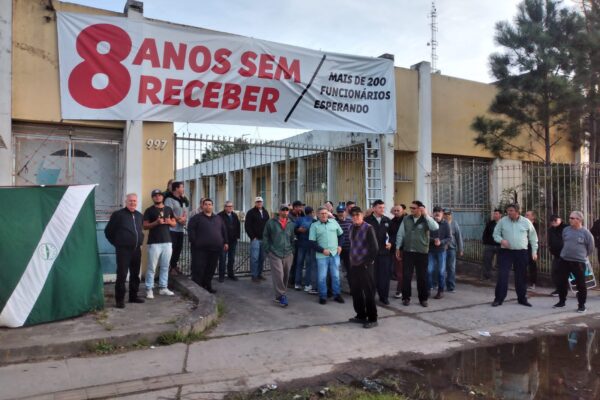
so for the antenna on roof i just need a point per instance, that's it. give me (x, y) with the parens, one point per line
(433, 43)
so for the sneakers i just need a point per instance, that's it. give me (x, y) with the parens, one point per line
(149, 294)
(531, 287)
(283, 301)
(398, 295)
(581, 308)
(554, 294)
(405, 302)
(298, 287)
(560, 304)
(307, 288)
(165, 292)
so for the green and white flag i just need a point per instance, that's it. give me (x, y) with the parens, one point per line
(49, 265)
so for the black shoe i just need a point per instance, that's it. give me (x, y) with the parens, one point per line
(369, 325)
(554, 294)
(211, 290)
(438, 296)
(405, 302)
(120, 304)
(322, 301)
(232, 278)
(525, 303)
(581, 308)
(256, 280)
(357, 320)
(424, 303)
(496, 303)
(221, 279)
(137, 300)
(329, 295)
(339, 299)
(385, 301)
(560, 304)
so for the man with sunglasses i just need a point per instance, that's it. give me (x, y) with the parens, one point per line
(412, 247)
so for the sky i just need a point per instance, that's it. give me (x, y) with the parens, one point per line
(399, 27)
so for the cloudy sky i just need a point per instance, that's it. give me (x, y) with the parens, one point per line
(399, 27)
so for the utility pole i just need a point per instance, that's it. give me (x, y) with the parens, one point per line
(433, 43)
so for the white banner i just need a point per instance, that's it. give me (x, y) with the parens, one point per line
(115, 68)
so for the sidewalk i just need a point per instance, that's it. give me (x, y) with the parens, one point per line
(112, 329)
(257, 342)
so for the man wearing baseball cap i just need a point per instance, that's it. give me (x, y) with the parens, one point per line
(278, 244)
(157, 219)
(256, 219)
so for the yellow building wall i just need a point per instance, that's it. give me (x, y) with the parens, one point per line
(157, 165)
(407, 109)
(455, 103)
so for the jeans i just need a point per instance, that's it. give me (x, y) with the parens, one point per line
(451, 269)
(304, 258)
(257, 258)
(508, 259)
(436, 267)
(159, 254)
(331, 264)
(489, 251)
(228, 256)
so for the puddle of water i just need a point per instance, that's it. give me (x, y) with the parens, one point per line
(550, 367)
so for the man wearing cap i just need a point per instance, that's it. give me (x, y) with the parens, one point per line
(555, 245)
(383, 262)
(345, 223)
(157, 219)
(412, 247)
(207, 234)
(278, 244)
(515, 234)
(438, 244)
(295, 214)
(256, 219)
(363, 252)
(325, 235)
(455, 246)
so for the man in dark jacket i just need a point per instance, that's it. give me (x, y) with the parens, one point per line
(555, 244)
(490, 246)
(595, 231)
(363, 252)
(124, 231)
(532, 265)
(438, 243)
(208, 239)
(383, 262)
(232, 223)
(256, 219)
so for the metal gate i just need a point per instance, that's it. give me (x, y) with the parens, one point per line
(238, 170)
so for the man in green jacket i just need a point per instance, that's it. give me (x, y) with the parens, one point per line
(278, 245)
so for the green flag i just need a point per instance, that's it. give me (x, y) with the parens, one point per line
(49, 265)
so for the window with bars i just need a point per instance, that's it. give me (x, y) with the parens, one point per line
(461, 183)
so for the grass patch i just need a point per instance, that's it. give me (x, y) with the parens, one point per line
(178, 337)
(101, 317)
(103, 347)
(336, 392)
(221, 308)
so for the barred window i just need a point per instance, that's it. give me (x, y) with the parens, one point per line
(461, 183)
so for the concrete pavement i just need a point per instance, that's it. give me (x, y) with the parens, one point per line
(258, 342)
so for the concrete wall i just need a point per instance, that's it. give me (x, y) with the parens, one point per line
(5, 92)
(36, 94)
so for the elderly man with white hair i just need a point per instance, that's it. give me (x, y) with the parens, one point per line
(577, 247)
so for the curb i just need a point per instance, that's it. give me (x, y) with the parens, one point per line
(198, 320)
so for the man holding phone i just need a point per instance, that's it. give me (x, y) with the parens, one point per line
(157, 219)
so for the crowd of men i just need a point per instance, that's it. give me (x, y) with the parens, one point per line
(307, 248)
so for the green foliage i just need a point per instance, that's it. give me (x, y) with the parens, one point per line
(534, 79)
(220, 149)
(103, 347)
